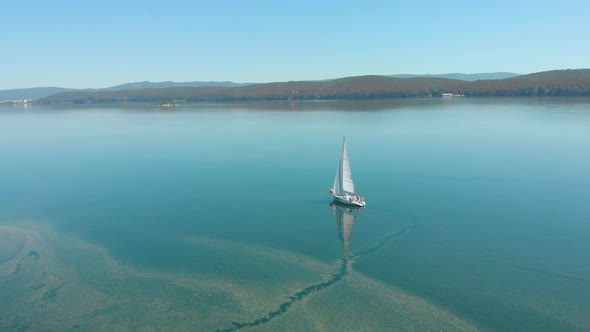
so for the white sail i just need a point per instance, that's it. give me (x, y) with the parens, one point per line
(337, 180)
(347, 184)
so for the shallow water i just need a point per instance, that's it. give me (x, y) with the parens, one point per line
(217, 216)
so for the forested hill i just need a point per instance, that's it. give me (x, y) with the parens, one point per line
(462, 77)
(573, 82)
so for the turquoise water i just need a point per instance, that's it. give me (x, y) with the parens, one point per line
(479, 207)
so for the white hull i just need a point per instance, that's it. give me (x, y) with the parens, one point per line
(347, 201)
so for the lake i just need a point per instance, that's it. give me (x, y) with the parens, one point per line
(217, 217)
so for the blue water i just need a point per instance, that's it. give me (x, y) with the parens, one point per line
(492, 195)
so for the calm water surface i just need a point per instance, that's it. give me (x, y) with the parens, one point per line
(478, 216)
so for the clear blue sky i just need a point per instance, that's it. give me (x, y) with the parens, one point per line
(92, 44)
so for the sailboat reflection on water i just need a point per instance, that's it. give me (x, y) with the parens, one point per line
(345, 218)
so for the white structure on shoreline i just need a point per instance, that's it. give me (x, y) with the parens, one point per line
(17, 101)
(451, 95)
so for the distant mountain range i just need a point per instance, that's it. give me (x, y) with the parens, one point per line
(463, 77)
(571, 82)
(30, 93)
(38, 93)
(170, 84)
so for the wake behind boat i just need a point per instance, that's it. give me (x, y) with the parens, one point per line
(343, 190)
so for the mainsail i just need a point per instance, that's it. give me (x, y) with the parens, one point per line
(347, 184)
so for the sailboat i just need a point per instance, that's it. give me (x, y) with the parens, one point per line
(343, 190)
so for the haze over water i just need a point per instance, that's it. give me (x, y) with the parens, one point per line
(218, 217)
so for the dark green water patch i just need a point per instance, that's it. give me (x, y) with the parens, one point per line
(34, 254)
(51, 295)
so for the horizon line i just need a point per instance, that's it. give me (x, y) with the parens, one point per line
(281, 81)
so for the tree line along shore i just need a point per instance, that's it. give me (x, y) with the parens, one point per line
(571, 82)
